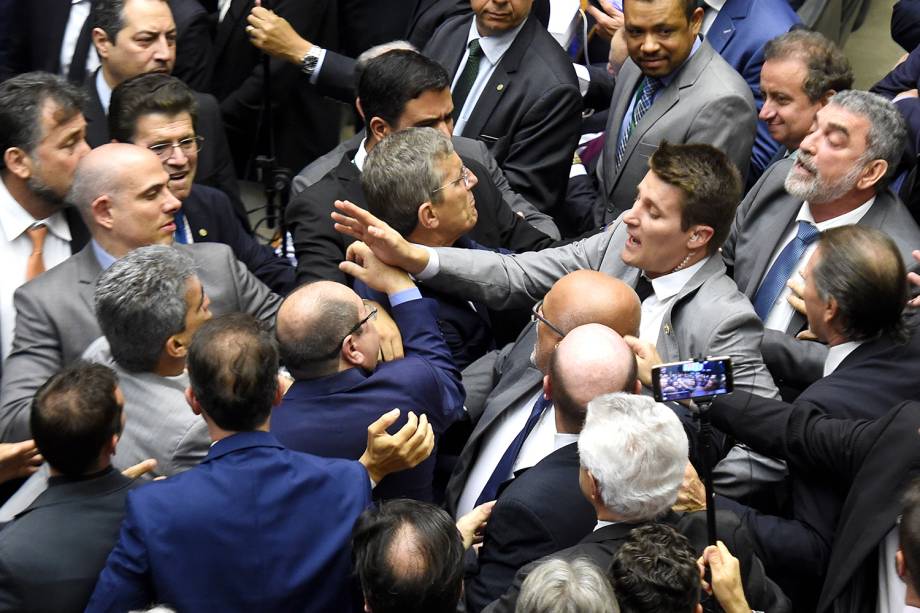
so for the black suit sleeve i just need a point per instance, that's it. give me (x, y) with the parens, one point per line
(600, 90)
(319, 248)
(336, 77)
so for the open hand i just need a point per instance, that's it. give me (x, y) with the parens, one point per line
(18, 460)
(387, 453)
(386, 243)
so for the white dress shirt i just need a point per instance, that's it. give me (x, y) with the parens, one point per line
(79, 13)
(665, 290)
(781, 314)
(493, 49)
(361, 155)
(15, 249)
(104, 91)
(837, 354)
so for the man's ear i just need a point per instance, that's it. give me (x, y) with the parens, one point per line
(830, 310)
(872, 174)
(192, 401)
(379, 128)
(823, 100)
(699, 238)
(696, 20)
(18, 162)
(595, 487)
(176, 347)
(351, 353)
(101, 42)
(101, 208)
(427, 216)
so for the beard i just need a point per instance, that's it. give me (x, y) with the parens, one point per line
(815, 188)
(45, 192)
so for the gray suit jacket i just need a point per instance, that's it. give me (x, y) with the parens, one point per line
(465, 148)
(706, 102)
(762, 220)
(55, 320)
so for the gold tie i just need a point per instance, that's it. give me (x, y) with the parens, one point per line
(36, 264)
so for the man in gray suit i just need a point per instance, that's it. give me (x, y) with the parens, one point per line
(663, 246)
(149, 304)
(121, 191)
(673, 88)
(839, 177)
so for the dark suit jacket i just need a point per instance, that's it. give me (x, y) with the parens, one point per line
(868, 462)
(51, 554)
(905, 24)
(211, 218)
(55, 321)
(255, 527)
(601, 546)
(193, 43)
(320, 248)
(762, 220)
(329, 416)
(215, 167)
(305, 126)
(542, 511)
(529, 112)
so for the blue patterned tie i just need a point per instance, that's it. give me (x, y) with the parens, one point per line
(506, 464)
(645, 98)
(779, 273)
(179, 234)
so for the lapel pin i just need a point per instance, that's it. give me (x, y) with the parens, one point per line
(202, 232)
(500, 86)
(667, 329)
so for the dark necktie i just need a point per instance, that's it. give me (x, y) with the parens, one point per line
(644, 288)
(775, 279)
(644, 99)
(467, 77)
(76, 74)
(506, 464)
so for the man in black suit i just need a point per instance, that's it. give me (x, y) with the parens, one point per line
(543, 510)
(159, 112)
(133, 37)
(397, 90)
(51, 554)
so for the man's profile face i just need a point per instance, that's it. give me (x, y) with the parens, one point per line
(155, 129)
(432, 109)
(547, 339)
(496, 16)
(146, 43)
(830, 160)
(143, 208)
(659, 37)
(198, 308)
(55, 158)
(454, 203)
(656, 243)
(366, 338)
(787, 110)
(814, 306)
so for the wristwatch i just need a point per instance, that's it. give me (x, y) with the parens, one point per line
(309, 61)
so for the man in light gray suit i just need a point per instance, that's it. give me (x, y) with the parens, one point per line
(663, 246)
(121, 191)
(839, 177)
(149, 305)
(673, 88)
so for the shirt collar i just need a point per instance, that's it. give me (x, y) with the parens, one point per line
(104, 258)
(494, 47)
(561, 439)
(837, 354)
(361, 155)
(15, 220)
(716, 5)
(603, 524)
(104, 91)
(666, 80)
(846, 219)
(671, 284)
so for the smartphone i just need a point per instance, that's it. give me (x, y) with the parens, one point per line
(693, 379)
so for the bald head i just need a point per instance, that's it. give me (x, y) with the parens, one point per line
(591, 360)
(589, 296)
(311, 322)
(107, 170)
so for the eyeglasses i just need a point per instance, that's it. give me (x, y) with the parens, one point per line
(536, 315)
(465, 176)
(165, 151)
(335, 351)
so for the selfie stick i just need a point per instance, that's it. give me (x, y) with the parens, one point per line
(707, 455)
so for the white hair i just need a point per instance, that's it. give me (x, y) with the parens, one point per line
(636, 449)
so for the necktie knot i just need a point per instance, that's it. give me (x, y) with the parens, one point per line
(475, 48)
(37, 234)
(807, 233)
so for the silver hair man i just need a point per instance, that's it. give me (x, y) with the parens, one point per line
(634, 450)
(561, 586)
(141, 302)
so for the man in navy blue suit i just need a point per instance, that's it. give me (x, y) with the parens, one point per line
(255, 527)
(331, 349)
(159, 112)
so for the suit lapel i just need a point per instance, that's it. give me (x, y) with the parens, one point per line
(237, 11)
(622, 94)
(87, 270)
(723, 28)
(349, 178)
(777, 222)
(668, 344)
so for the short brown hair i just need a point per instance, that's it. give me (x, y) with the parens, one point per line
(710, 182)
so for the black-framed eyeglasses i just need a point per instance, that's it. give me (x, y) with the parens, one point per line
(335, 351)
(165, 151)
(465, 176)
(536, 315)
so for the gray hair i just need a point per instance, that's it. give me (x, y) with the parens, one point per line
(561, 586)
(827, 68)
(401, 173)
(636, 449)
(140, 303)
(887, 129)
(378, 50)
(22, 99)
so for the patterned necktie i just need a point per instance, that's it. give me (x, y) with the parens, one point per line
(179, 235)
(779, 273)
(35, 265)
(644, 100)
(467, 77)
(506, 464)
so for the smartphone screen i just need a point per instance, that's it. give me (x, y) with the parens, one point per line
(692, 379)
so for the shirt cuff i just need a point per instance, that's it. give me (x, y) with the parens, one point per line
(577, 170)
(584, 78)
(406, 295)
(320, 56)
(433, 266)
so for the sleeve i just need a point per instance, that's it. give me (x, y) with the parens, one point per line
(600, 90)
(903, 77)
(125, 583)
(796, 362)
(336, 78)
(192, 448)
(516, 233)
(739, 336)
(253, 296)
(319, 248)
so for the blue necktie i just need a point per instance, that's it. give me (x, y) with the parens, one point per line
(179, 234)
(645, 98)
(779, 273)
(506, 464)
